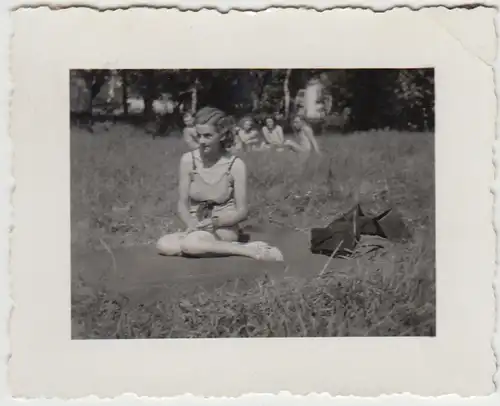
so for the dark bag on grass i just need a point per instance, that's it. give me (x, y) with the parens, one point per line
(392, 226)
(342, 235)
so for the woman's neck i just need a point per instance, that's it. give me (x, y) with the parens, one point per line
(210, 159)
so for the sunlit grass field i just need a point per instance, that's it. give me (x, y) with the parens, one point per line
(124, 192)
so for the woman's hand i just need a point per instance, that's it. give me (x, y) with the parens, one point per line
(206, 224)
(220, 221)
(192, 226)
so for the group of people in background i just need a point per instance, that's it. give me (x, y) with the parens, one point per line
(248, 138)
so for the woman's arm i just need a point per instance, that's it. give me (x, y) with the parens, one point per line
(237, 143)
(279, 133)
(267, 135)
(303, 143)
(255, 136)
(296, 146)
(242, 137)
(190, 140)
(183, 204)
(239, 173)
(252, 137)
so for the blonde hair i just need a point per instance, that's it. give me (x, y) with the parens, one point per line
(247, 119)
(222, 123)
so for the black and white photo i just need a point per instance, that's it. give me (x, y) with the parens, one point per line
(222, 204)
(252, 203)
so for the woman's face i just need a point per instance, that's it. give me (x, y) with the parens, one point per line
(188, 121)
(269, 123)
(209, 139)
(297, 123)
(247, 125)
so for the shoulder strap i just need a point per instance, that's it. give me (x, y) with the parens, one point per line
(192, 159)
(231, 164)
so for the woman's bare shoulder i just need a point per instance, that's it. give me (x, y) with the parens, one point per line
(308, 130)
(238, 164)
(187, 157)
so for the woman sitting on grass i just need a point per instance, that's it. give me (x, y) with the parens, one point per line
(273, 134)
(189, 133)
(213, 197)
(305, 137)
(248, 137)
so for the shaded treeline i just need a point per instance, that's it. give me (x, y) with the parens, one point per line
(347, 99)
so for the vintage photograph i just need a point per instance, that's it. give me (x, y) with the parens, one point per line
(252, 203)
(280, 213)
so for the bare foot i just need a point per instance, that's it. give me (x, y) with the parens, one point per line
(262, 251)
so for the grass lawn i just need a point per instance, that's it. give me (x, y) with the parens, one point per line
(124, 192)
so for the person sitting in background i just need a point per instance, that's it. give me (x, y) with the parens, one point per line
(273, 134)
(189, 133)
(213, 197)
(304, 136)
(237, 146)
(248, 137)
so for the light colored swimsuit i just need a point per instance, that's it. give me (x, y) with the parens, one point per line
(207, 199)
(248, 138)
(303, 140)
(275, 136)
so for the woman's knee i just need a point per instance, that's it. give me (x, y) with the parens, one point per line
(170, 244)
(196, 243)
(227, 234)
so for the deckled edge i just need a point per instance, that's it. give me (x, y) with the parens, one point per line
(6, 190)
(257, 6)
(495, 342)
(7, 187)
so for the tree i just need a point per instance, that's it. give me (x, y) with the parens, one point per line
(286, 92)
(414, 99)
(376, 98)
(125, 85)
(149, 93)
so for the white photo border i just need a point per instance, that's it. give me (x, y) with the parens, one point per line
(46, 44)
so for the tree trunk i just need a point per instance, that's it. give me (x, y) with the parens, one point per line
(89, 78)
(149, 95)
(124, 92)
(264, 81)
(286, 92)
(255, 101)
(194, 98)
(113, 81)
(98, 80)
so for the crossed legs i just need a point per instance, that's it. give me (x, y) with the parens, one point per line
(203, 244)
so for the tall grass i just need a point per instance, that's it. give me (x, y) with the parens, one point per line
(124, 192)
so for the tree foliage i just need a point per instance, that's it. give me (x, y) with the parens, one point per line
(354, 99)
